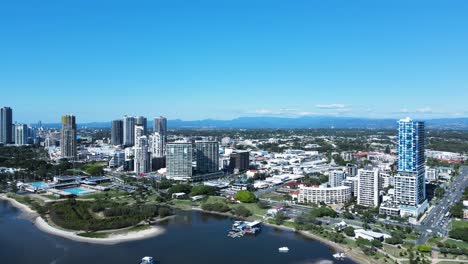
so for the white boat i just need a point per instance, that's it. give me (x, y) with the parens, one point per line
(283, 249)
(147, 260)
(339, 255)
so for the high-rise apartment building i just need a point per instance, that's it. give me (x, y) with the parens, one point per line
(160, 126)
(129, 131)
(351, 170)
(6, 125)
(117, 132)
(368, 190)
(410, 186)
(139, 132)
(335, 178)
(179, 161)
(142, 160)
(68, 137)
(157, 147)
(142, 121)
(21, 134)
(207, 155)
(239, 161)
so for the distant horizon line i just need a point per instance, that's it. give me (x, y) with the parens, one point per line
(150, 119)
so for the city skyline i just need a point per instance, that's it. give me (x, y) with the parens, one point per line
(230, 60)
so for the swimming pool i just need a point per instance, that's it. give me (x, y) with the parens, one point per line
(77, 191)
(39, 184)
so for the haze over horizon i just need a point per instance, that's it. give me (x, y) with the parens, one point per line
(100, 61)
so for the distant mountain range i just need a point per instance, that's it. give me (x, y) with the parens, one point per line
(300, 122)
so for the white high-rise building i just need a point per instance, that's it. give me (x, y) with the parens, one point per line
(139, 132)
(335, 178)
(368, 190)
(21, 134)
(179, 161)
(129, 131)
(142, 160)
(353, 183)
(157, 147)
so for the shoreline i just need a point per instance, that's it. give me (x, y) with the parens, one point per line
(42, 225)
(358, 258)
(113, 239)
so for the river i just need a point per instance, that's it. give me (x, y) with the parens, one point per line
(191, 237)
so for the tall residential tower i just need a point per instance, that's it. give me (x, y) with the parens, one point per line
(68, 137)
(6, 125)
(410, 188)
(117, 132)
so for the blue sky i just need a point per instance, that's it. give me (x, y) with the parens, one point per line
(199, 59)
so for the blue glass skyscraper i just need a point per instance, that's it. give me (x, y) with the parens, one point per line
(410, 183)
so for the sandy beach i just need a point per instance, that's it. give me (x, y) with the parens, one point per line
(42, 225)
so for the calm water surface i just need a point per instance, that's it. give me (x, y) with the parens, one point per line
(191, 237)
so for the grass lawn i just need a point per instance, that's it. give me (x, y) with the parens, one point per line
(272, 196)
(182, 204)
(391, 250)
(253, 207)
(459, 244)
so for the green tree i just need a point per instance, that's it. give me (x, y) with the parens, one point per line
(241, 211)
(246, 196)
(203, 190)
(349, 231)
(179, 188)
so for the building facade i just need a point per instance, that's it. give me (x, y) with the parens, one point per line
(333, 195)
(142, 121)
(368, 190)
(179, 161)
(117, 132)
(239, 161)
(129, 131)
(335, 178)
(6, 125)
(207, 156)
(353, 183)
(21, 134)
(410, 188)
(68, 137)
(157, 147)
(142, 160)
(160, 126)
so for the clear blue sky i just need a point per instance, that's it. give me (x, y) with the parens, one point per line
(199, 59)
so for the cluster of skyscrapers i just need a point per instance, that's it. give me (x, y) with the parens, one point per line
(150, 151)
(18, 134)
(147, 150)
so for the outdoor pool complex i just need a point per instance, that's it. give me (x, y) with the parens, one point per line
(39, 184)
(77, 191)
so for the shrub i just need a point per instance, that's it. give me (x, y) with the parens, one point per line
(241, 211)
(246, 196)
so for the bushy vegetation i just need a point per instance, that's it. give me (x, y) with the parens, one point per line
(179, 188)
(203, 190)
(349, 231)
(241, 211)
(246, 196)
(79, 215)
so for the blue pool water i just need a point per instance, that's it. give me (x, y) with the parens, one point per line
(39, 184)
(77, 191)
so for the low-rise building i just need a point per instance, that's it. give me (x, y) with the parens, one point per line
(317, 194)
(370, 235)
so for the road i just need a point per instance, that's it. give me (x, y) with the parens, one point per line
(436, 221)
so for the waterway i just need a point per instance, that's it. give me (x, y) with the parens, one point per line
(191, 237)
